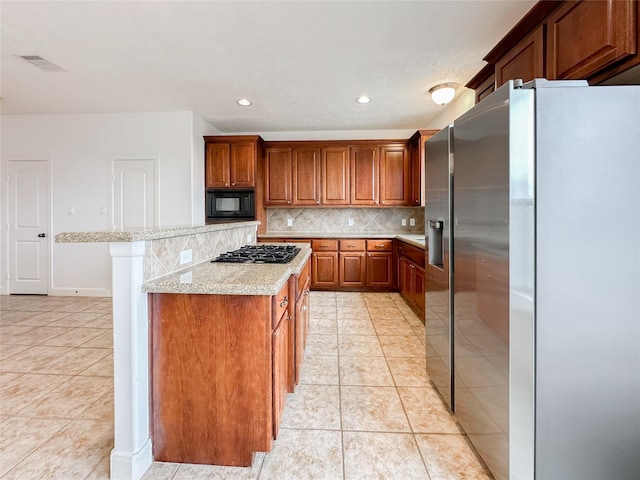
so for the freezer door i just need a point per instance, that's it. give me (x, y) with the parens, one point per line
(492, 142)
(437, 268)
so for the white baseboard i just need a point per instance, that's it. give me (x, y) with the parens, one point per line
(79, 292)
(125, 466)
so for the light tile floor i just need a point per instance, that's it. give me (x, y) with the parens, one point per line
(364, 408)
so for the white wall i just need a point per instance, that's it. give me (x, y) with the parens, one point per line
(460, 105)
(81, 149)
(200, 128)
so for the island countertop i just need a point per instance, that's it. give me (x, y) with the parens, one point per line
(138, 234)
(231, 278)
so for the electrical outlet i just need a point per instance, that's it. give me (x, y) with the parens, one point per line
(249, 238)
(412, 222)
(289, 222)
(404, 222)
(185, 256)
(350, 222)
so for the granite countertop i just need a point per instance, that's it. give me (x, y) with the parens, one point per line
(231, 278)
(135, 235)
(416, 239)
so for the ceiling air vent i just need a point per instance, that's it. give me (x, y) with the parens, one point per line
(41, 63)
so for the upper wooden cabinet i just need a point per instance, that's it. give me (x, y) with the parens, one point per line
(364, 175)
(416, 151)
(335, 175)
(395, 175)
(230, 161)
(341, 173)
(594, 40)
(584, 37)
(277, 176)
(524, 61)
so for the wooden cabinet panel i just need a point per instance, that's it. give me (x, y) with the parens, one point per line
(242, 162)
(419, 290)
(352, 269)
(416, 152)
(524, 61)
(585, 36)
(335, 176)
(395, 173)
(486, 89)
(364, 176)
(324, 269)
(211, 377)
(277, 176)
(280, 371)
(379, 269)
(306, 176)
(217, 165)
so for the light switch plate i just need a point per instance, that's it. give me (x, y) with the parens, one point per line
(351, 222)
(404, 222)
(289, 222)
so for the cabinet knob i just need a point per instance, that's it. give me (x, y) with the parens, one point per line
(284, 302)
(304, 308)
(233, 183)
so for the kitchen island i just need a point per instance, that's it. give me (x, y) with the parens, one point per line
(140, 257)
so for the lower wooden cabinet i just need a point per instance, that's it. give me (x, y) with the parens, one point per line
(221, 367)
(380, 269)
(411, 276)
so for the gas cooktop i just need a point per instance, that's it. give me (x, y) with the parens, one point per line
(259, 254)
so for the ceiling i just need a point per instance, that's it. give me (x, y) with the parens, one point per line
(301, 63)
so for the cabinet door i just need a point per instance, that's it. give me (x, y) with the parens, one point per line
(352, 269)
(379, 269)
(306, 176)
(407, 279)
(584, 37)
(418, 290)
(243, 164)
(324, 269)
(277, 176)
(280, 357)
(302, 325)
(525, 60)
(217, 165)
(395, 173)
(416, 171)
(335, 176)
(364, 176)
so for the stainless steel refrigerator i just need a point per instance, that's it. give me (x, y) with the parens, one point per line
(543, 310)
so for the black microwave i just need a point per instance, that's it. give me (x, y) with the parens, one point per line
(230, 204)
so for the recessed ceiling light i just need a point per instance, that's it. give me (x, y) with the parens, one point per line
(244, 102)
(363, 99)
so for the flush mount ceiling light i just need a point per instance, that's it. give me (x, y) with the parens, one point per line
(244, 102)
(363, 99)
(443, 93)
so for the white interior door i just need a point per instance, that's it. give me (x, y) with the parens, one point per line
(28, 226)
(134, 194)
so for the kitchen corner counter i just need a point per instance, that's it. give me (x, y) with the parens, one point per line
(415, 239)
(230, 278)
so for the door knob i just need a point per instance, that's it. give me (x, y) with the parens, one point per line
(41, 235)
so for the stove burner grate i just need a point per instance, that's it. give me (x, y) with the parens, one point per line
(259, 254)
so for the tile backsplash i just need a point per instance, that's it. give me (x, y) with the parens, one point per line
(365, 220)
(162, 257)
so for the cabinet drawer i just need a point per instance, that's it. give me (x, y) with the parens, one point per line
(379, 245)
(280, 303)
(352, 245)
(303, 279)
(414, 254)
(324, 245)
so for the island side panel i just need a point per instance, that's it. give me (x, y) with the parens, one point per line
(211, 368)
